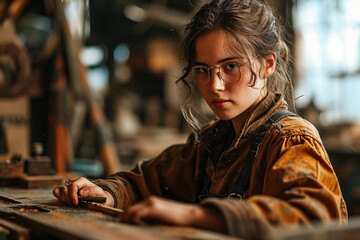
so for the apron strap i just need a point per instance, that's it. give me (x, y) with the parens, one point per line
(243, 180)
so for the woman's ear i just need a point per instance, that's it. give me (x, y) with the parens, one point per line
(270, 65)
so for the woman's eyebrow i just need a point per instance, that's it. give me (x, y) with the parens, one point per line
(219, 61)
(200, 64)
(227, 59)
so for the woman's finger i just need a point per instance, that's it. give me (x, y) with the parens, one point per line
(57, 193)
(135, 214)
(147, 211)
(66, 192)
(66, 195)
(69, 191)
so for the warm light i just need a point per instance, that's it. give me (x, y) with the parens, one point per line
(135, 13)
(92, 56)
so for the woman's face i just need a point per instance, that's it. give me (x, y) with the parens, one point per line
(227, 100)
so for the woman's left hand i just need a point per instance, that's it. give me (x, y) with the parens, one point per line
(159, 210)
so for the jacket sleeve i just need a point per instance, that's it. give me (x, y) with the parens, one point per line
(158, 176)
(299, 186)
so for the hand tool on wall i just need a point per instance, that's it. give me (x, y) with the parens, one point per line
(62, 142)
(79, 81)
(15, 64)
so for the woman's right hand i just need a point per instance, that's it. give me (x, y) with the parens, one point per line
(69, 191)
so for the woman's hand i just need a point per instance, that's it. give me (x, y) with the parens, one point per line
(69, 191)
(159, 210)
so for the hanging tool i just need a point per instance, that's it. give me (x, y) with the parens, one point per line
(78, 75)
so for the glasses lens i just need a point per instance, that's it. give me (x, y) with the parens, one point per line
(230, 72)
(202, 75)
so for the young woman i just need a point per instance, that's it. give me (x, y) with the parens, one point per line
(257, 166)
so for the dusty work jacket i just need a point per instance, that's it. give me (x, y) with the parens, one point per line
(291, 182)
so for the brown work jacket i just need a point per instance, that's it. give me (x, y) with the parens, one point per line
(292, 181)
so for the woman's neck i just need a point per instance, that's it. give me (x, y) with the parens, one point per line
(239, 121)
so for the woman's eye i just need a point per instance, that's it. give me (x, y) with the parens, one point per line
(201, 69)
(231, 66)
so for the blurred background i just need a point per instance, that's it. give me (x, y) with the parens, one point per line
(90, 84)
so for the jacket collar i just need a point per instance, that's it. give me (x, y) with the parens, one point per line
(270, 104)
(221, 130)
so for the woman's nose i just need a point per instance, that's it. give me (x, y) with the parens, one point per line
(216, 80)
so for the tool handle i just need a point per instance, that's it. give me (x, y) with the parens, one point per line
(102, 208)
(95, 199)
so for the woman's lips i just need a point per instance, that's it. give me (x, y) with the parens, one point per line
(220, 103)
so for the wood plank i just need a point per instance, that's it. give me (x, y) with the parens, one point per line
(4, 233)
(40, 211)
(13, 231)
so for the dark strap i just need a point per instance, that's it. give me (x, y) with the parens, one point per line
(277, 116)
(243, 180)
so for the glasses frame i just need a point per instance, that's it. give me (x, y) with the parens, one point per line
(218, 73)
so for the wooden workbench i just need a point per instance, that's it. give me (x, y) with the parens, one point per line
(37, 214)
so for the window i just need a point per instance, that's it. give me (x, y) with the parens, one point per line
(328, 57)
